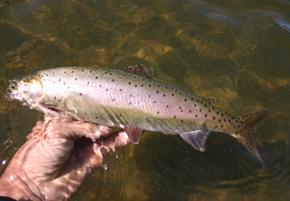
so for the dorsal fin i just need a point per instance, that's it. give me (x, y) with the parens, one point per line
(140, 69)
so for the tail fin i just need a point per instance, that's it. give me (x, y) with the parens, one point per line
(245, 135)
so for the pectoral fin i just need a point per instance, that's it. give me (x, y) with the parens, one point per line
(197, 139)
(134, 134)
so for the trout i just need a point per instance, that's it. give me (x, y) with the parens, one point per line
(122, 99)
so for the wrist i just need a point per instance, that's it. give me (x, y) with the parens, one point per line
(6, 190)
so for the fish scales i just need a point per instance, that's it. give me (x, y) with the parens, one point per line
(121, 99)
(115, 93)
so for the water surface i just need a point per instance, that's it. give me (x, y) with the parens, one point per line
(234, 51)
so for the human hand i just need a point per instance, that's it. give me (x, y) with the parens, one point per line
(57, 156)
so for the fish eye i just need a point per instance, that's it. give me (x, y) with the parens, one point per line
(13, 85)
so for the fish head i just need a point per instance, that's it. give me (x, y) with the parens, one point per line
(27, 90)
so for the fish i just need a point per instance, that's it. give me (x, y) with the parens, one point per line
(133, 101)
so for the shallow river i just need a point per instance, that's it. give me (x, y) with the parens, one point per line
(235, 51)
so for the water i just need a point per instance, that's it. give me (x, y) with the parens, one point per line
(234, 51)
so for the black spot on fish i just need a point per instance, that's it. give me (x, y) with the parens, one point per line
(209, 110)
(76, 78)
(72, 71)
(205, 115)
(181, 110)
(189, 111)
(135, 85)
(107, 89)
(113, 99)
(172, 95)
(167, 106)
(54, 98)
(158, 112)
(149, 96)
(185, 100)
(199, 109)
(220, 120)
(195, 115)
(149, 85)
(164, 95)
(222, 126)
(59, 79)
(83, 70)
(91, 71)
(142, 85)
(158, 85)
(130, 103)
(217, 113)
(81, 94)
(96, 77)
(129, 83)
(213, 117)
(194, 105)
(96, 117)
(191, 99)
(120, 89)
(110, 73)
(174, 117)
(157, 92)
(131, 95)
(113, 80)
(154, 101)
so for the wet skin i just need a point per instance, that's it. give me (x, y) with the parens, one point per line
(58, 155)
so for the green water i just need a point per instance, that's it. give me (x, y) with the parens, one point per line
(234, 51)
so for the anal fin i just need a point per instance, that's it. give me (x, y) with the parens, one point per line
(134, 134)
(197, 139)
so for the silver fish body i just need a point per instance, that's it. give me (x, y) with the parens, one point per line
(121, 99)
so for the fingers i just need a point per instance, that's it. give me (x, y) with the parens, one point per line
(67, 128)
(36, 131)
(110, 143)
